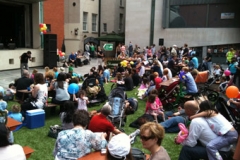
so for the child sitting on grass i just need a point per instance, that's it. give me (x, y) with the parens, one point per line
(16, 113)
(10, 92)
(3, 104)
(154, 107)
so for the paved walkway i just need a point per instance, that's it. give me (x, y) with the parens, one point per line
(8, 76)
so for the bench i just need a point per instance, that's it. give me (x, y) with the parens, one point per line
(49, 105)
(28, 151)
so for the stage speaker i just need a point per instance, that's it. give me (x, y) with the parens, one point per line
(161, 42)
(50, 42)
(11, 45)
(1, 46)
(50, 50)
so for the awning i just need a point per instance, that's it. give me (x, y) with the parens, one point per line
(21, 1)
(111, 37)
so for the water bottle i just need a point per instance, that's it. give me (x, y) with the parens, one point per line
(133, 135)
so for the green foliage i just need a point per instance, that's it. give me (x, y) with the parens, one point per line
(43, 145)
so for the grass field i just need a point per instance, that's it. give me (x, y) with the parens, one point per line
(43, 145)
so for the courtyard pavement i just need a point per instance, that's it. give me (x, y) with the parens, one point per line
(8, 76)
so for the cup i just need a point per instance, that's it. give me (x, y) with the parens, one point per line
(28, 88)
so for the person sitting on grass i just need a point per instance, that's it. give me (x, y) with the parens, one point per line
(67, 115)
(227, 135)
(191, 87)
(3, 104)
(151, 86)
(16, 113)
(119, 148)
(77, 142)
(154, 107)
(151, 135)
(10, 92)
(100, 123)
(7, 150)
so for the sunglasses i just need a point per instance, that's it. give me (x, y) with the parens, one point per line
(144, 138)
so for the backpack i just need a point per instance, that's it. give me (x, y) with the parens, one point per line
(138, 154)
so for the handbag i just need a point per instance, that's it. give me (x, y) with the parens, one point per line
(54, 130)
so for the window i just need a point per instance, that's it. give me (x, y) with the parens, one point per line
(121, 2)
(48, 27)
(85, 15)
(94, 22)
(104, 27)
(121, 22)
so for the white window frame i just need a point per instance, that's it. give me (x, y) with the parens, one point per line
(94, 22)
(85, 18)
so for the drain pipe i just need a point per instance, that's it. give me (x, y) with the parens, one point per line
(152, 22)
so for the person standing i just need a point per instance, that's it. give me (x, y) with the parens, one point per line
(92, 50)
(229, 55)
(100, 56)
(209, 61)
(87, 47)
(24, 61)
(130, 49)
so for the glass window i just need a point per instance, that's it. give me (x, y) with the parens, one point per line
(203, 15)
(121, 2)
(121, 22)
(85, 15)
(94, 22)
(104, 27)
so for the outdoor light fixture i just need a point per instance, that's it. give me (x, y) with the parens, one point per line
(76, 31)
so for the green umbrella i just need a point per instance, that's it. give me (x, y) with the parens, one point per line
(111, 37)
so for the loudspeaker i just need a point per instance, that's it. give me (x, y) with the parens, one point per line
(50, 50)
(1, 46)
(11, 45)
(50, 42)
(161, 42)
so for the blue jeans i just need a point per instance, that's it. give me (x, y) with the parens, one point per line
(193, 153)
(171, 125)
(219, 142)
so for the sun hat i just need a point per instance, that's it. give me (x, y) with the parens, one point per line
(119, 146)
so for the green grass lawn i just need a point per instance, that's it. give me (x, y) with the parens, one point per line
(43, 145)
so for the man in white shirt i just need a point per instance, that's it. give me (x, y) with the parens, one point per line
(199, 131)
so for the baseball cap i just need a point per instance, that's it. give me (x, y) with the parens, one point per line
(119, 146)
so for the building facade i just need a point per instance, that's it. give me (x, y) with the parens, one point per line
(201, 24)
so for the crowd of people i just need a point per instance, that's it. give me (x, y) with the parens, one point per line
(85, 130)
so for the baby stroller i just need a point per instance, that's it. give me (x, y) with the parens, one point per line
(229, 111)
(168, 95)
(95, 92)
(117, 102)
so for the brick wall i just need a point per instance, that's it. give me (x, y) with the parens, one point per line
(53, 11)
